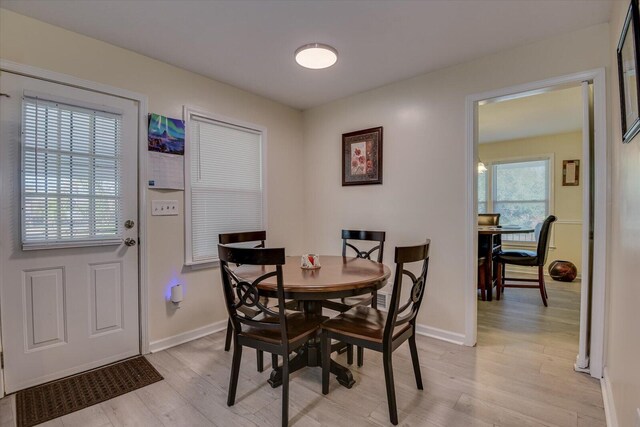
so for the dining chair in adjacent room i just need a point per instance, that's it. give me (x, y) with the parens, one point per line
(527, 259)
(371, 299)
(274, 330)
(487, 220)
(242, 238)
(384, 331)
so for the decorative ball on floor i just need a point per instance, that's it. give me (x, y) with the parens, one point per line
(563, 271)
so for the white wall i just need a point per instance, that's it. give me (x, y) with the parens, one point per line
(622, 358)
(28, 41)
(423, 194)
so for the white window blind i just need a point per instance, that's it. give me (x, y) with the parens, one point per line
(71, 175)
(226, 185)
(521, 194)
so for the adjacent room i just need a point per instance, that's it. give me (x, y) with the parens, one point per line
(319, 213)
(531, 220)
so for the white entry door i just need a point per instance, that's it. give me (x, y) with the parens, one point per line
(68, 202)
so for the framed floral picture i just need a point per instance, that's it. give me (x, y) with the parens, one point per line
(628, 68)
(362, 157)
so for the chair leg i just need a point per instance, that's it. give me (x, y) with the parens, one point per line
(227, 340)
(416, 363)
(326, 361)
(349, 354)
(274, 361)
(235, 371)
(499, 287)
(285, 391)
(541, 285)
(391, 390)
(360, 357)
(483, 287)
(260, 360)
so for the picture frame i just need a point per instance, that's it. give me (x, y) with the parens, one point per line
(362, 157)
(628, 67)
(570, 173)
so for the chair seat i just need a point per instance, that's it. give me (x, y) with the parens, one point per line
(517, 257)
(362, 322)
(298, 326)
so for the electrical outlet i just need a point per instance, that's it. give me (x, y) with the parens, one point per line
(164, 207)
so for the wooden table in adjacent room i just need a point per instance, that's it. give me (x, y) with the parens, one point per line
(490, 232)
(338, 277)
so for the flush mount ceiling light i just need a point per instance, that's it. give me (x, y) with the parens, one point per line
(316, 56)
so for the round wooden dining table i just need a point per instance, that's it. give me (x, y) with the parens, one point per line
(338, 277)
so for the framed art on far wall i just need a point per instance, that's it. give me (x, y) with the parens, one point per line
(362, 157)
(628, 67)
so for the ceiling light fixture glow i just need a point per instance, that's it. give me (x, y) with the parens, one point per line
(316, 56)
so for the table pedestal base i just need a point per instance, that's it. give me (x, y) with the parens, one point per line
(310, 355)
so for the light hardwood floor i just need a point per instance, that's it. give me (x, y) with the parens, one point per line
(520, 374)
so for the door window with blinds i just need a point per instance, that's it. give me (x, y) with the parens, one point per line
(224, 188)
(71, 169)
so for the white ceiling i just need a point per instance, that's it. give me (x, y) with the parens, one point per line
(250, 43)
(548, 113)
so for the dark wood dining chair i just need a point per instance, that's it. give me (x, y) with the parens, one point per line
(384, 332)
(371, 299)
(491, 220)
(273, 330)
(482, 278)
(527, 259)
(239, 238)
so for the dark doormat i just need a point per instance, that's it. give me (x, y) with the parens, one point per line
(38, 404)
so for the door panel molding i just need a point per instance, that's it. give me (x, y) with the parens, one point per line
(105, 289)
(45, 309)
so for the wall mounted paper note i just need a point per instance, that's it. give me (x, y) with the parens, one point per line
(166, 152)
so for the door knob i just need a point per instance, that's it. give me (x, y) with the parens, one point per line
(129, 241)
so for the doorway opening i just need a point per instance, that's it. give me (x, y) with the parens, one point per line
(532, 153)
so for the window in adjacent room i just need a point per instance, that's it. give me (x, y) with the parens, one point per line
(482, 192)
(224, 191)
(520, 192)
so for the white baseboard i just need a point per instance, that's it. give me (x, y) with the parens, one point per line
(528, 271)
(607, 397)
(184, 337)
(441, 334)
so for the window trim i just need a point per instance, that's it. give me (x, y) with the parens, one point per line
(189, 112)
(520, 159)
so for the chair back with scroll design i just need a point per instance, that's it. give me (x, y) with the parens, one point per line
(243, 237)
(490, 219)
(406, 313)
(372, 236)
(241, 294)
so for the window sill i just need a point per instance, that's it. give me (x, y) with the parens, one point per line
(524, 245)
(70, 244)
